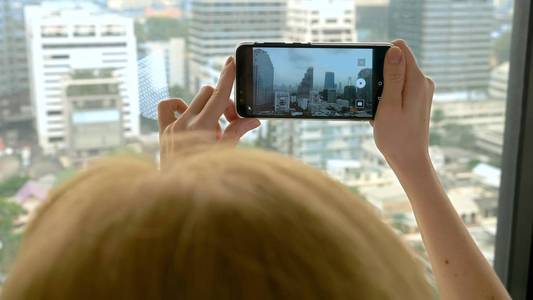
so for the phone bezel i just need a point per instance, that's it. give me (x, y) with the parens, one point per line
(244, 69)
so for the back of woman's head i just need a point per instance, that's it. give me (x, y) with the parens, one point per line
(220, 223)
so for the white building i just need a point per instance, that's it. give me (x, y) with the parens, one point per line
(316, 142)
(282, 101)
(217, 28)
(172, 55)
(63, 38)
(321, 21)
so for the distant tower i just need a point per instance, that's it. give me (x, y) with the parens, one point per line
(306, 84)
(451, 39)
(263, 76)
(329, 80)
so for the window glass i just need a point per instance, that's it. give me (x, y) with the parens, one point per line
(81, 79)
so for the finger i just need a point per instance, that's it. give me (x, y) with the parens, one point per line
(394, 77)
(412, 69)
(166, 112)
(218, 102)
(199, 101)
(236, 129)
(371, 123)
(231, 112)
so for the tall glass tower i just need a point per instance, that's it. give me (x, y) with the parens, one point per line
(263, 76)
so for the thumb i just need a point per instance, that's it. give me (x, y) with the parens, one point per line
(236, 129)
(394, 77)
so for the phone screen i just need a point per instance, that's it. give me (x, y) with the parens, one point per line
(311, 82)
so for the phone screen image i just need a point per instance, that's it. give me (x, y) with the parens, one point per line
(312, 82)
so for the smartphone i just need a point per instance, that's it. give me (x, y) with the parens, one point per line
(309, 80)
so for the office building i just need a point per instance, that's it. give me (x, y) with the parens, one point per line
(306, 85)
(282, 101)
(450, 38)
(93, 113)
(321, 20)
(372, 20)
(329, 80)
(263, 76)
(63, 38)
(15, 105)
(216, 28)
(316, 142)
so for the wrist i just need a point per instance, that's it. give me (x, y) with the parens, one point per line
(404, 162)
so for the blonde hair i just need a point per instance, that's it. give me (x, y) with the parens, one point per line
(220, 223)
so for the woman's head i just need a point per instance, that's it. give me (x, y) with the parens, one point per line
(220, 223)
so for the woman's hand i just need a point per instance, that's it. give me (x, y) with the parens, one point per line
(401, 125)
(401, 132)
(204, 114)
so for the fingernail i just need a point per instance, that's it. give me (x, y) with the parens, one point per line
(229, 60)
(395, 55)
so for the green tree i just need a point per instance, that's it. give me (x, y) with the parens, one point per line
(10, 211)
(10, 186)
(160, 29)
(461, 136)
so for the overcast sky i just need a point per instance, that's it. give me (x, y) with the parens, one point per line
(290, 64)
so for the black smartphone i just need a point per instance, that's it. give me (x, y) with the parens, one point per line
(309, 80)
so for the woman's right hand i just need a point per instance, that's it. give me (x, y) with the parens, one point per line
(203, 116)
(401, 125)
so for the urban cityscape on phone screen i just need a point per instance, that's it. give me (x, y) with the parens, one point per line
(312, 82)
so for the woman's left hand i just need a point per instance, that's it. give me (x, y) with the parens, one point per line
(204, 114)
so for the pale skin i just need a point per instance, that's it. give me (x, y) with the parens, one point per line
(401, 133)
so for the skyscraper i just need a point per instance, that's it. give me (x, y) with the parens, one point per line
(217, 28)
(65, 37)
(329, 80)
(15, 102)
(317, 142)
(305, 86)
(450, 38)
(321, 20)
(263, 76)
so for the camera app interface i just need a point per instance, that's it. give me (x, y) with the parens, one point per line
(312, 82)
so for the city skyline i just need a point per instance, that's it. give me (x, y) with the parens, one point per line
(291, 63)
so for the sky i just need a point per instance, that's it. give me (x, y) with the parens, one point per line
(290, 64)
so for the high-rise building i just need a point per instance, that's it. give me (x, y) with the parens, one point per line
(450, 38)
(217, 27)
(305, 86)
(282, 101)
(316, 142)
(370, 21)
(15, 103)
(263, 76)
(329, 80)
(321, 20)
(64, 37)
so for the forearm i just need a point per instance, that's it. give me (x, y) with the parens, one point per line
(460, 269)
